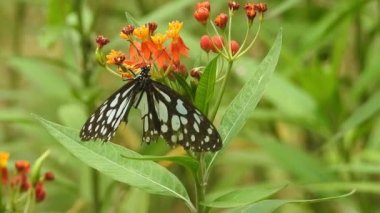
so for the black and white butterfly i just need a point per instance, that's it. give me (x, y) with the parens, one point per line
(164, 114)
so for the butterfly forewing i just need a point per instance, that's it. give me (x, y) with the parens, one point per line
(181, 123)
(104, 121)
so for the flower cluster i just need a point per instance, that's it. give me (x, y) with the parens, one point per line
(146, 46)
(217, 42)
(20, 181)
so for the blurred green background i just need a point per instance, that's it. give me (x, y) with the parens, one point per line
(317, 127)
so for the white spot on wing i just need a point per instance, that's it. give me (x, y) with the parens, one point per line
(162, 112)
(143, 105)
(197, 118)
(115, 100)
(164, 128)
(180, 108)
(111, 116)
(175, 123)
(183, 120)
(196, 127)
(167, 98)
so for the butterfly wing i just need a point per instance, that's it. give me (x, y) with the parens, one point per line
(181, 123)
(103, 123)
(151, 124)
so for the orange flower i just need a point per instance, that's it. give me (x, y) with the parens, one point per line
(159, 51)
(142, 33)
(115, 57)
(177, 47)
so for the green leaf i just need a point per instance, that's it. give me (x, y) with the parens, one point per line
(130, 19)
(267, 206)
(185, 161)
(184, 85)
(36, 170)
(205, 89)
(279, 87)
(14, 115)
(107, 158)
(301, 164)
(243, 196)
(331, 22)
(246, 100)
(361, 114)
(43, 75)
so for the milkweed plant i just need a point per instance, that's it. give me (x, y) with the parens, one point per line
(22, 187)
(203, 85)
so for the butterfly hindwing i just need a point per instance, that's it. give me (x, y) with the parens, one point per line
(151, 125)
(181, 123)
(103, 123)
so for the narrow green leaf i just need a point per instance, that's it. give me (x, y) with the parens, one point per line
(164, 12)
(36, 169)
(267, 206)
(279, 87)
(243, 196)
(184, 85)
(302, 165)
(43, 75)
(246, 100)
(205, 89)
(185, 161)
(107, 158)
(364, 112)
(131, 20)
(14, 115)
(331, 22)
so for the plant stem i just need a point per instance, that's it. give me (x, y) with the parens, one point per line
(86, 49)
(221, 91)
(95, 190)
(201, 184)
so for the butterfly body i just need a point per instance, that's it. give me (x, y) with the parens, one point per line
(164, 114)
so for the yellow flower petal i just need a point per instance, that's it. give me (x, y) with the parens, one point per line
(4, 156)
(174, 29)
(142, 32)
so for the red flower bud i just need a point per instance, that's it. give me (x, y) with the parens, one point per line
(49, 176)
(205, 4)
(195, 73)
(261, 7)
(233, 5)
(40, 192)
(250, 11)
(25, 185)
(221, 20)
(128, 30)
(4, 175)
(101, 41)
(152, 26)
(201, 15)
(218, 42)
(206, 43)
(234, 47)
(119, 60)
(22, 166)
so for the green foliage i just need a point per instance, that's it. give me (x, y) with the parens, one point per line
(110, 160)
(313, 123)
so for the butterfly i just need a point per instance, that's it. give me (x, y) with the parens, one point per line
(164, 113)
